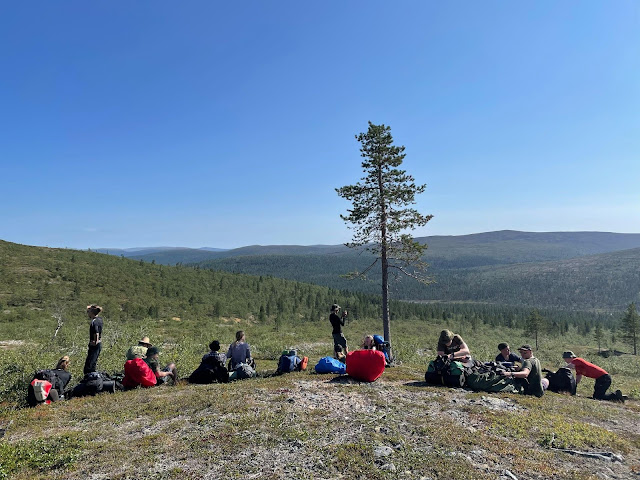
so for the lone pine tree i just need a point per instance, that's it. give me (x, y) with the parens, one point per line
(381, 216)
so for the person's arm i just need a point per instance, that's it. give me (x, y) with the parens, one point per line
(578, 378)
(95, 335)
(524, 373)
(462, 352)
(248, 353)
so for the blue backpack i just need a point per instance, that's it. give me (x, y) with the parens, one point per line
(382, 346)
(288, 363)
(330, 365)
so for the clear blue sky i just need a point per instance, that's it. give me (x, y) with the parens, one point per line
(225, 124)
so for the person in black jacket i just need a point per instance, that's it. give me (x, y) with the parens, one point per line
(95, 338)
(64, 376)
(337, 322)
(506, 355)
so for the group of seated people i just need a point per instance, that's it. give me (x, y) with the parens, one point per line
(527, 368)
(213, 362)
(238, 363)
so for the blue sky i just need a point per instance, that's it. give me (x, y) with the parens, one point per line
(225, 124)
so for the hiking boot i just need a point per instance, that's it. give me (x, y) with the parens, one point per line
(619, 396)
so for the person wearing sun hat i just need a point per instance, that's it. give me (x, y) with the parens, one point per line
(529, 377)
(95, 338)
(139, 350)
(590, 370)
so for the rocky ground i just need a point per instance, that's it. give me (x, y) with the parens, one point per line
(325, 427)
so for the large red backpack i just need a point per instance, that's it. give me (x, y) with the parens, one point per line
(137, 372)
(365, 365)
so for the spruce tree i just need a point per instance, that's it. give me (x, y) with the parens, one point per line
(630, 327)
(381, 216)
(536, 324)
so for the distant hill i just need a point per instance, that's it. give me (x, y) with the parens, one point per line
(607, 281)
(462, 251)
(548, 269)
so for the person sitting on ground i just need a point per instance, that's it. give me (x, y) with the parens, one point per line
(212, 368)
(529, 377)
(139, 350)
(368, 343)
(214, 354)
(506, 355)
(162, 376)
(452, 346)
(239, 352)
(588, 369)
(64, 376)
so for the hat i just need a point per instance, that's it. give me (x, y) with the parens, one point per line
(568, 354)
(502, 346)
(145, 340)
(335, 307)
(526, 346)
(152, 351)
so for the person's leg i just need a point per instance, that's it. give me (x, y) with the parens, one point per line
(171, 368)
(545, 384)
(601, 386)
(92, 358)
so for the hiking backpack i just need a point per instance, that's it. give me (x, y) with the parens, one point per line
(382, 346)
(243, 371)
(330, 365)
(442, 371)
(562, 381)
(288, 362)
(39, 390)
(209, 371)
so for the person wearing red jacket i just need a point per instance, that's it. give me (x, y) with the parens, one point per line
(588, 369)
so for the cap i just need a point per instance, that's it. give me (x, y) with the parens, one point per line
(526, 346)
(335, 307)
(568, 354)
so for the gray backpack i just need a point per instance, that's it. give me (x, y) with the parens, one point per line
(243, 371)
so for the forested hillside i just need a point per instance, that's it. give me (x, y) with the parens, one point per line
(39, 285)
(593, 282)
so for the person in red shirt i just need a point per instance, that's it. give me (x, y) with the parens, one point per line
(588, 369)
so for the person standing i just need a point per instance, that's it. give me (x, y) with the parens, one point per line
(95, 338)
(588, 369)
(337, 322)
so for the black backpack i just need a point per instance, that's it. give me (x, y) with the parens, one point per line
(562, 381)
(94, 383)
(210, 370)
(442, 371)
